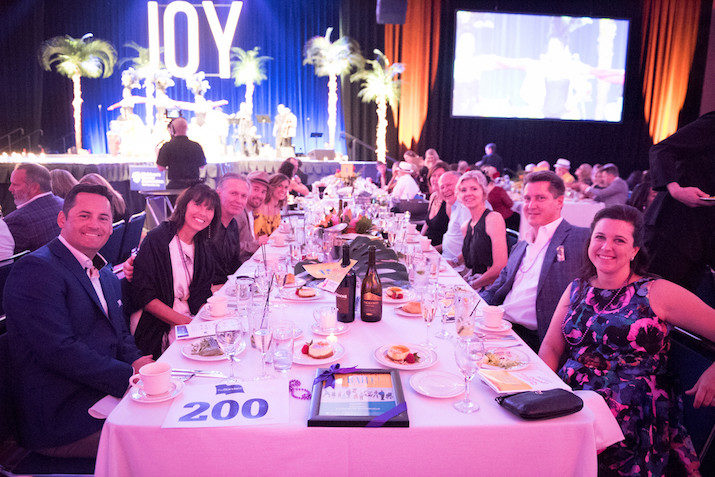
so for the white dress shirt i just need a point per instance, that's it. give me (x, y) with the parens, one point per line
(520, 303)
(182, 271)
(92, 272)
(405, 189)
(33, 199)
(7, 241)
(453, 239)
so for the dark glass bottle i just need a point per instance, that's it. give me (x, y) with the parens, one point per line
(345, 293)
(371, 291)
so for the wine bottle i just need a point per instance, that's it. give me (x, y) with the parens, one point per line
(345, 293)
(371, 291)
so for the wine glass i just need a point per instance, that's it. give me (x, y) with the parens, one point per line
(429, 309)
(262, 337)
(280, 272)
(229, 335)
(468, 352)
(446, 300)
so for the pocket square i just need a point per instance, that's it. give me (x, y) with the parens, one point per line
(119, 302)
(560, 254)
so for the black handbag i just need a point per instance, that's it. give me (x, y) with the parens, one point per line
(541, 404)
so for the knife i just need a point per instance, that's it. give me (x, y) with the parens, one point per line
(200, 373)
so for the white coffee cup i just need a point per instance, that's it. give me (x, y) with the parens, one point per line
(153, 378)
(493, 316)
(218, 305)
(425, 244)
(326, 317)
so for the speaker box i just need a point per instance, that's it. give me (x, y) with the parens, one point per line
(391, 11)
(322, 154)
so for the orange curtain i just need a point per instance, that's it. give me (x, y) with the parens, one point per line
(416, 45)
(670, 29)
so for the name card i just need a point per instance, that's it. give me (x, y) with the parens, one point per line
(225, 405)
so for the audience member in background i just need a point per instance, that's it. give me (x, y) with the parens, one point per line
(383, 176)
(612, 327)
(583, 177)
(247, 234)
(119, 207)
(484, 249)
(643, 194)
(393, 179)
(183, 157)
(542, 265)
(462, 167)
(502, 203)
(174, 268)
(431, 158)
(289, 168)
(614, 191)
(594, 173)
(299, 171)
(69, 343)
(406, 187)
(419, 171)
(267, 217)
(634, 178)
(491, 158)
(34, 222)
(61, 182)
(453, 238)
(529, 168)
(233, 190)
(490, 171)
(562, 168)
(542, 166)
(437, 218)
(680, 231)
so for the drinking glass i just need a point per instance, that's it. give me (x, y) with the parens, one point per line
(429, 309)
(421, 272)
(283, 345)
(229, 335)
(262, 337)
(464, 303)
(468, 352)
(280, 270)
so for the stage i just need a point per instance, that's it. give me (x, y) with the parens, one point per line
(115, 168)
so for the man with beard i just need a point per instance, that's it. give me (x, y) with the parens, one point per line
(247, 238)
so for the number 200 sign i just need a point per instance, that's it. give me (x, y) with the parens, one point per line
(225, 410)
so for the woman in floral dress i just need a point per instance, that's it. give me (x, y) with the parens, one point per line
(611, 334)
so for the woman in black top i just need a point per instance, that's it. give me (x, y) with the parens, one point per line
(174, 269)
(438, 209)
(484, 249)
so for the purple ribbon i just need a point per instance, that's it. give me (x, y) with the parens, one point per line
(328, 376)
(380, 420)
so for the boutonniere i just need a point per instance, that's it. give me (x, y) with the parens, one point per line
(560, 253)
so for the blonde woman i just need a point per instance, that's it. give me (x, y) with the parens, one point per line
(62, 181)
(267, 217)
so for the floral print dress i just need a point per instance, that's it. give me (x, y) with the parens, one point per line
(618, 347)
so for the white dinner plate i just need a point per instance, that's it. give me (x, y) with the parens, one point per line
(428, 358)
(507, 354)
(437, 384)
(503, 328)
(299, 282)
(186, 351)
(400, 312)
(305, 360)
(175, 388)
(340, 329)
(291, 296)
(407, 295)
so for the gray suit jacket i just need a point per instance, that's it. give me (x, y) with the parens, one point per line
(554, 277)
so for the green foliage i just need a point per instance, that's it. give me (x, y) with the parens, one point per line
(141, 61)
(332, 58)
(380, 81)
(363, 225)
(86, 56)
(247, 67)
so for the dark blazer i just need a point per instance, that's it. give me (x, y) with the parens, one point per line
(554, 277)
(65, 353)
(35, 224)
(153, 279)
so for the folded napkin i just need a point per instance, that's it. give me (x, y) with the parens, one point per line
(103, 407)
(503, 382)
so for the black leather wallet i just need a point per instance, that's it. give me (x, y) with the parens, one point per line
(541, 404)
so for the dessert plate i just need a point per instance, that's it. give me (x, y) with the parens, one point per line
(299, 282)
(437, 384)
(186, 351)
(428, 358)
(503, 328)
(407, 295)
(291, 296)
(175, 388)
(399, 311)
(305, 360)
(503, 358)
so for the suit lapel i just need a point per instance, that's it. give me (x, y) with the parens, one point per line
(550, 255)
(69, 261)
(518, 253)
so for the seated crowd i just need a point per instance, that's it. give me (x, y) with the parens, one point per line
(584, 299)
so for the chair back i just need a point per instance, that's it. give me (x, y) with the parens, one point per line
(512, 237)
(132, 235)
(5, 268)
(7, 424)
(418, 209)
(113, 247)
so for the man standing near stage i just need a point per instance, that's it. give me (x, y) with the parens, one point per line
(181, 156)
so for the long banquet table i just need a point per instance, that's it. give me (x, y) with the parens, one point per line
(439, 441)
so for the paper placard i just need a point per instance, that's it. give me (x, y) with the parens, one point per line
(195, 329)
(225, 405)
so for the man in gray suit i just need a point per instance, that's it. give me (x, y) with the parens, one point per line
(542, 265)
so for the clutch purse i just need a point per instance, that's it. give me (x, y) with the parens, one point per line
(541, 404)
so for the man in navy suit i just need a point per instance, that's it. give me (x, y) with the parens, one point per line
(34, 223)
(541, 266)
(69, 344)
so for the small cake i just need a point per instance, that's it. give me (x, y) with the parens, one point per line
(290, 279)
(396, 293)
(398, 352)
(320, 349)
(304, 292)
(412, 307)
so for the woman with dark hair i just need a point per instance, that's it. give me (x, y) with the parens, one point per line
(173, 270)
(437, 211)
(501, 202)
(267, 217)
(289, 168)
(62, 182)
(611, 330)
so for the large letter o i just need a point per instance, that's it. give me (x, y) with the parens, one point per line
(192, 20)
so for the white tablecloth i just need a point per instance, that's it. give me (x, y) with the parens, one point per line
(439, 441)
(579, 213)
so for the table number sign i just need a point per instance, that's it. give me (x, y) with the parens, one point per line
(226, 405)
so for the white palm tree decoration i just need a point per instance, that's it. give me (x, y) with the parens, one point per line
(332, 59)
(248, 69)
(380, 85)
(75, 58)
(146, 70)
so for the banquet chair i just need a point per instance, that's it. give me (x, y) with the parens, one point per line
(5, 268)
(113, 248)
(132, 235)
(417, 208)
(512, 237)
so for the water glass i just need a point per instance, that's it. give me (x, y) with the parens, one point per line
(229, 335)
(446, 301)
(429, 309)
(283, 345)
(468, 353)
(262, 339)
(464, 304)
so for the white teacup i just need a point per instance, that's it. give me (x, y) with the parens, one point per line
(493, 316)
(326, 317)
(153, 378)
(218, 305)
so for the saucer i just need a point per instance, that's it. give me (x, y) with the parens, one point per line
(400, 312)
(437, 384)
(340, 328)
(207, 315)
(504, 327)
(175, 388)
